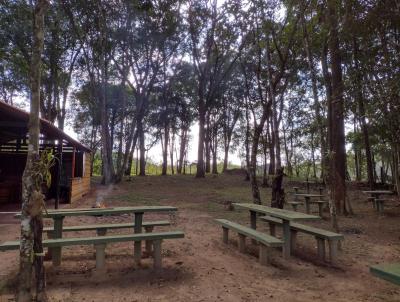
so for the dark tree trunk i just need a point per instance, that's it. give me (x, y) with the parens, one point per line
(278, 193)
(338, 151)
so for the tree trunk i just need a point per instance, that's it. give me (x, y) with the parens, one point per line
(278, 193)
(317, 105)
(253, 159)
(30, 247)
(328, 91)
(142, 164)
(338, 151)
(363, 122)
(171, 152)
(200, 151)
(165, 145)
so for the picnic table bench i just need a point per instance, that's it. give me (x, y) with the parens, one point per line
(265, 241)
(100, 243)
(287, 218)
(377, 202)
(320, 235)
(138, 211)
(388, 271)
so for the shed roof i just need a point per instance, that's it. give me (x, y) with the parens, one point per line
(14, 125)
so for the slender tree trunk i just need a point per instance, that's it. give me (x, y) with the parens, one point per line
(271, 144)
(363, 122)
(165, 149)
(142, 168)
(208, 144)
(200, 151)
(317, 105)
(253, 159)
(171, 152)
(31, 223)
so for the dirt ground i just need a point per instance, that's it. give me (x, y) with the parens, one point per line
(200, 267)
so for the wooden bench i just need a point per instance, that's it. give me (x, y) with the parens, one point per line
(100, 243)
(320, 204)
(265, 241)
(320, 235)
(389, 272)
(101, 229)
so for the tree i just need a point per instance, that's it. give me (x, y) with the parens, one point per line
(32, 198)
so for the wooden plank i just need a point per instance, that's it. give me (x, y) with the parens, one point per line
(13, 245)
(388, 271)
(91, 227)
(105, 211)
(279, 213)
(305, 228)
(249, 232)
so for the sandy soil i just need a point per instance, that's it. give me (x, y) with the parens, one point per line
(200, 267)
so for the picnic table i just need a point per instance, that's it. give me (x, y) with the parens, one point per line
(307, 198)
(285, 215)
(59, 215)
(377, 193)
(377, 202)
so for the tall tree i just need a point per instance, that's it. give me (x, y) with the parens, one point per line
(32, 198)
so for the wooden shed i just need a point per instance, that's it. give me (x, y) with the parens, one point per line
(70, 173)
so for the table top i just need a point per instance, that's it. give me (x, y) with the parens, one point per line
(275, 212)
(309, 195)
(105, 211)
(378, 192)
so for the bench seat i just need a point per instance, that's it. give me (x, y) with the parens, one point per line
(389, 272)
(320, 235)
(265, 241)
(102, 228)
(100, 243)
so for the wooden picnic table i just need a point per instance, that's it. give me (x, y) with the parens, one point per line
(377, 193)
(307, 198)
(285, 215)
(59, 215)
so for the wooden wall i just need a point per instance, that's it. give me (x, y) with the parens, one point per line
(81, 185)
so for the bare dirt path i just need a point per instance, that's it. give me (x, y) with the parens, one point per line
(201, 268)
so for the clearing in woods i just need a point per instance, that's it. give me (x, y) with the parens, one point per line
(200, 267)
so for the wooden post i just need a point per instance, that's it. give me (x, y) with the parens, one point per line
(264, 255)
(56, 251)
(100, 257)
(321, 248)
(73, 163)
(242, 243)
(157, 254)
(253, 223)
(272, 228)
(333, 248)
(149, 243)
(138, 244)
(320, 205)
(225, 235)
(293, 239)
(307, 199)
(286, 238)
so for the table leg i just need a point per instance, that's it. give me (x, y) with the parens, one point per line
(253, 223)
(307, 199)
(138, 244)
(56, 251)
(286, 239)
